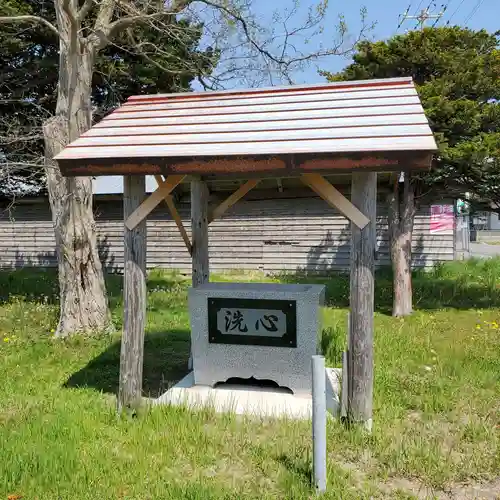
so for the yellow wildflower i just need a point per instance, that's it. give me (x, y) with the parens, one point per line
(478, 327)
(14, 497)
(6, 339)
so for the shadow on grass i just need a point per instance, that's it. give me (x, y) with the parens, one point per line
(29, 283)
(40, 284)
(455, 286)
(165, 363)
(298, 467)
(461, 285)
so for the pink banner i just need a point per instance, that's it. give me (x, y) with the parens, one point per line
(442, 218)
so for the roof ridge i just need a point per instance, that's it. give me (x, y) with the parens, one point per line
(380, 82)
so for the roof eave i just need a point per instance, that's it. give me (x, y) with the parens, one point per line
(289, 165)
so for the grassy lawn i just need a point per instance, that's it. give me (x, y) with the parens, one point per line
(436, 409)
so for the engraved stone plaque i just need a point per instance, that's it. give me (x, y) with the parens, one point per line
(252, 322)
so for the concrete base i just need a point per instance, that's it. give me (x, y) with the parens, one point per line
(250, 400)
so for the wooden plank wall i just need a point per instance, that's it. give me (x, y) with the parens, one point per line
(265, 235)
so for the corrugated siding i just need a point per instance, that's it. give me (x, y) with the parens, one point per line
(368, 116)
(270, 235)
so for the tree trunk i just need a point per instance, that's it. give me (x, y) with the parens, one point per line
(83, 298)
(401, 218)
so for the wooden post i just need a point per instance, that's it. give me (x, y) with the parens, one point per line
(199, 229)
(362, 297)
(134, 320)
(199, 238)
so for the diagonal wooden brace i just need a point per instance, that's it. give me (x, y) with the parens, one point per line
(150, 203)
(335, 198)
(232, 199)
(175, 215)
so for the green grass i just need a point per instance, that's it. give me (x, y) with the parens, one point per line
(436, 407)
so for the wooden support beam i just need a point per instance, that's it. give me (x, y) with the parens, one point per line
(232, 199)
(360, 345)
(134, 317)
(175, 215)
(199, 232)
(150, 203)
(335, 198)
(178, 221)
(200, 272)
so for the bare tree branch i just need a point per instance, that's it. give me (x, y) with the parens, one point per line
(84, 10)
(6, 140)
(244, 26)
(139, 50)
(70, 11)
(102, 22)
(29, 19)
(126, 22)
(268, 51)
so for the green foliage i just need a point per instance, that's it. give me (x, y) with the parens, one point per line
(167, 61)
(436, 406)
(457, 73)
(332, 343)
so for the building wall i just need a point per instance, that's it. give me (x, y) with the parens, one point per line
(494, 221)
(266, 235)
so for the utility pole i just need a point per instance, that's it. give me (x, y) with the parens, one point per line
(423, 16)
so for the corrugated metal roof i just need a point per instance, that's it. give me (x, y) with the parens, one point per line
(344, 117)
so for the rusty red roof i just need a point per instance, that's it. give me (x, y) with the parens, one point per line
(376, 117)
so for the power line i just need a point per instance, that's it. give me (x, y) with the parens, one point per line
(456, 10)
(474, 10)
(418, 7)
(431, 3)
(403, 16)
(443, 10)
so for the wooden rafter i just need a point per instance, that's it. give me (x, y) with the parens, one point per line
(175, 215)
(335, 198)
(232, 199)
(150, 203)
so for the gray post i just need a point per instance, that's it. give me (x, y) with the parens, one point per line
(319, 422)
(345, 373)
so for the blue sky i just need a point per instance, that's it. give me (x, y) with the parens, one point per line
(385, 13)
